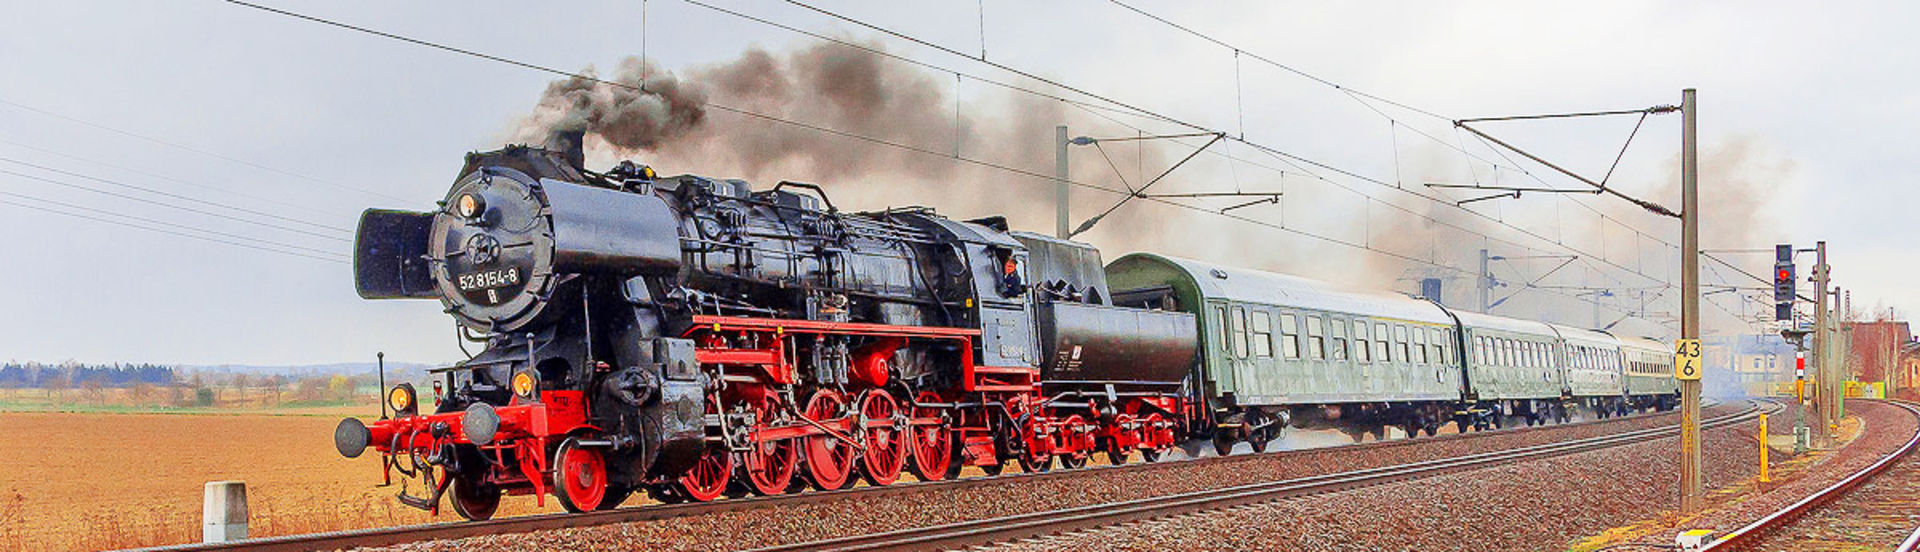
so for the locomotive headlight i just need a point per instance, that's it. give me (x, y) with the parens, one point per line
(469, 206)
(523, 385)
(402, 399)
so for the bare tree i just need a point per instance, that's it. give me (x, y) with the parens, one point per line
(56, 385)
(140, 392)
(92, 388)
(240, 383)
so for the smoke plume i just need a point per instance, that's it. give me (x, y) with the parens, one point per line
(726, 120)
(879, 134)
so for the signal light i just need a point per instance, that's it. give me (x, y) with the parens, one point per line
(1783, 282)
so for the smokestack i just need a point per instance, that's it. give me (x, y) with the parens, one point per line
(570, 145)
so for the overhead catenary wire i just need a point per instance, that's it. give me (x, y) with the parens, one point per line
(186, 148)
(156, 176)
(1362, 97)
(1131, 110)
(1101, 111)
(841, 133)
(171, 232)
(1179, 122)
(181, 197)
(148, 201)
(186, 227)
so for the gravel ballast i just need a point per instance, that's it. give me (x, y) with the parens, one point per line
(1549, 504)
(856, 514)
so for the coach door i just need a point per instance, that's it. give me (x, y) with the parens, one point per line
(1220, 361)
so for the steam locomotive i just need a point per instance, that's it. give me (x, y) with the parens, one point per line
(692, 338)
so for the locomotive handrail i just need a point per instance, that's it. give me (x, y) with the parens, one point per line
(701, 321)
(816, 190)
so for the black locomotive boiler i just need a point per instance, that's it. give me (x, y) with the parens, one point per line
(691, 337)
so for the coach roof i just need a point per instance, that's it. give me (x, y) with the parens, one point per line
(1256, 286)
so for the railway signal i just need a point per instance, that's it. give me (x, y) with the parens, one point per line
(1783, 282)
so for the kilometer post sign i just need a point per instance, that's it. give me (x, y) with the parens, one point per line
(1686, 359)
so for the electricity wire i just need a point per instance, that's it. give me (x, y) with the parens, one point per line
(171, 232)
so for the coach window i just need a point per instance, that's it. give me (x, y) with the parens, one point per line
(1433, 343)
(1219, 324)
(1239, 332)
(1420, 346)
(1506, 346)
(1382, 343)
(1262, 334)
(1480, 350)
(1290, 335)
(1446, 346)
(1362, 348)
(1316, 339)
(1400, 341)
(1339, 331)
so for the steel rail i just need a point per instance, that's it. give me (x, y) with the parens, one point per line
(386, 536)
(1912, 544)
(1746, 537)
(969, 533)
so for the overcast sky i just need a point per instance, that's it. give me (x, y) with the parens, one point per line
(1808, 113)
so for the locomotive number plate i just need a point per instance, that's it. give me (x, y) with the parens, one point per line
(490, 279)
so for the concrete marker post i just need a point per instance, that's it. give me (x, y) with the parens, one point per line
(223, 514)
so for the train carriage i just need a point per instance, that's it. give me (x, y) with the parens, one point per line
(1512, 369)
(1594, 369)
(1648, 371)
(1281, 348)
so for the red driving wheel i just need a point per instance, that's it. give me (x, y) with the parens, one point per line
(707, 479)
(769, 464)
(886, 445)
(933, 443)
(829, 458)
(579, 476)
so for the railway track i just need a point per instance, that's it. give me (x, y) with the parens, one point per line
(454, 530)
(1747, 537)
(1055, 521)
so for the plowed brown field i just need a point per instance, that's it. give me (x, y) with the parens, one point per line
(99, 481)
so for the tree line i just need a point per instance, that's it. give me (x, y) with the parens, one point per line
(34, 375)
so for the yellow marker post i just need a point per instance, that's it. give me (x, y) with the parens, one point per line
(1763, 450)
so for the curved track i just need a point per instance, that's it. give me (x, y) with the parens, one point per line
(454, 530)
(1747, 537)
(1042, 523)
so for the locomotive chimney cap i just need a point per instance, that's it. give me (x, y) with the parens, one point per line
(570, 144)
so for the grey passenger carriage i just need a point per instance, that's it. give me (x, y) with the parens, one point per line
(1279, 350)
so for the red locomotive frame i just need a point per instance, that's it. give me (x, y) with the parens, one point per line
(995, 413)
